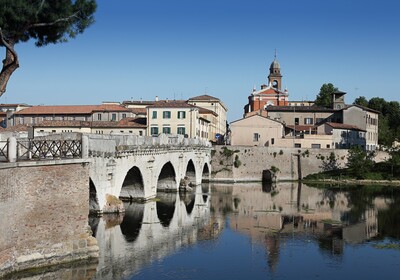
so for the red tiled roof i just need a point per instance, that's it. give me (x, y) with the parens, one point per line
(344, 126)
(71, 109)
(126, 123)
(204, 97)
(137, 111)
(15, 128)
(206, 111)
(301, 127)
(171, 104)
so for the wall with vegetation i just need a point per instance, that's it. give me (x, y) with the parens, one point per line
(240, 163)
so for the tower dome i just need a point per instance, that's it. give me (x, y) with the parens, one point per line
(274, 65)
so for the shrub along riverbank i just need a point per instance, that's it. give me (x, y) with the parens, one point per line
(361, 169)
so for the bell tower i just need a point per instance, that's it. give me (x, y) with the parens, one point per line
(275, 77)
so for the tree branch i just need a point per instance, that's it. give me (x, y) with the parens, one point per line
(40, 7)
(9, 47)
(10, 63)
(42, 24)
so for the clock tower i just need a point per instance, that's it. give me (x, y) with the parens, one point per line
(275, 76)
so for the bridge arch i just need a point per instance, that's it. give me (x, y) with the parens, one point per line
(206, 173)
(94, 206)
(167, 178)
(133, 186)
(191, 172)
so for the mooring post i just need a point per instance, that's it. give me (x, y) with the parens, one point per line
(12, 149)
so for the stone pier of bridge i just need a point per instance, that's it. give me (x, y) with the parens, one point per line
(136, 168)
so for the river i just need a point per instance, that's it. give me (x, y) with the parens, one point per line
(249, 231)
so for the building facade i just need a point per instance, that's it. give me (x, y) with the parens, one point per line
(216, 114)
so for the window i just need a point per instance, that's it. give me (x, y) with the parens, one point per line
(315, 146)
(99, 117)
(297, 145)
(256, 136)
(181, 130)
(308, 121)
(154, 116)
(181, 114)
(154, 130)
(272, 141)
(123, 115)
(296, 121)
(140, 133)
(113, 117)
(166, 114)
(166, 130)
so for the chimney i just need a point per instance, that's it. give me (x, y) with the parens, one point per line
(156, 97)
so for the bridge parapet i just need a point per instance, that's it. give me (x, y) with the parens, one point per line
(113, 145)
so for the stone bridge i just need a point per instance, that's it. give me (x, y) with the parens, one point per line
(137, 167)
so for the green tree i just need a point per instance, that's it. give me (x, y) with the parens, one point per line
(324, 98)
(359, 162)
(361, 100)
(394, 160)
(377, 103)
(45, 21)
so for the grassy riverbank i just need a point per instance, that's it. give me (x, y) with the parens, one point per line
(381, 174)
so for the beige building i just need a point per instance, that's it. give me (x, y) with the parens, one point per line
(218, 120)
(176, 117)
(365, 119)
(256, 130)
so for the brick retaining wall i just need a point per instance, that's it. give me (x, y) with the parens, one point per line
(44, 215)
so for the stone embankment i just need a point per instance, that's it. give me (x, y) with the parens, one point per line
(246, 164)
(44, 210)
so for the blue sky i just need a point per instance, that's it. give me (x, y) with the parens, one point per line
(184, 48)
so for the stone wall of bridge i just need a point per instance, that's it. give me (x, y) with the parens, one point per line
(44, 210)
(152, 164)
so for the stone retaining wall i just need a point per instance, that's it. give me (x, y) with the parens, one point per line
(242, 163)
(44, 209)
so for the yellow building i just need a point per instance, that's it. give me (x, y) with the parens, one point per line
(176, 117)
(217, 120)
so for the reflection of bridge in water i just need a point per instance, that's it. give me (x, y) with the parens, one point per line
(150, 231)
(278, 213)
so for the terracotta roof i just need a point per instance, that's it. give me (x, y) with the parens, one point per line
(362, 107)
(344, 126)
(71, 109)
(301, 127)
(15, 128)
(206, 111)
(137, 111)
(138, 102)
(124, 123)
(204, 97)
(171, 104)
(14, 105)
(299, 109)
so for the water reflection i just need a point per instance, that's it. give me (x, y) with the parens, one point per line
(151, 231)
(288, 221)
